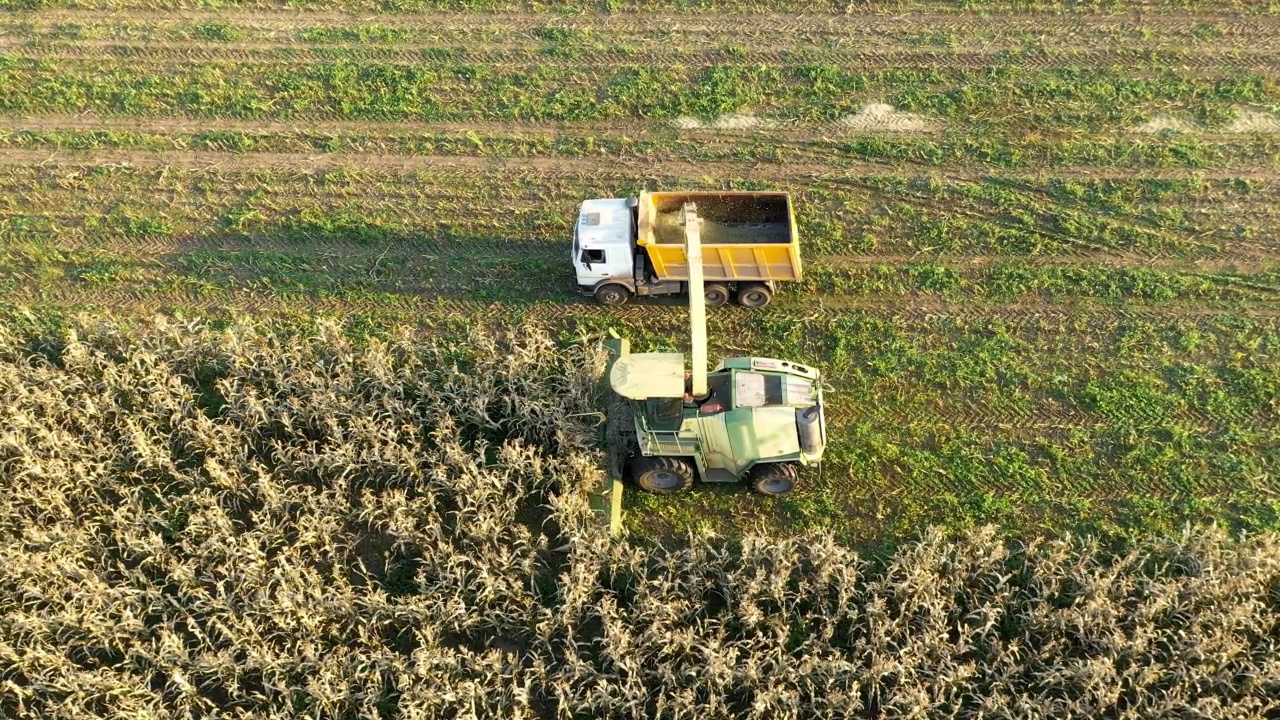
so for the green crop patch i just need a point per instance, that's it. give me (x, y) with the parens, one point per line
(1010, 280)
(1057, 99)
(355, 34)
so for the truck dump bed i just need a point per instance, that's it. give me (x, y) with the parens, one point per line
(746, 236)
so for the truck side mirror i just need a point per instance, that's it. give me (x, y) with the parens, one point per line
(633, 202)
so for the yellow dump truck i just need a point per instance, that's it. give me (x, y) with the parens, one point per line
(635, 246)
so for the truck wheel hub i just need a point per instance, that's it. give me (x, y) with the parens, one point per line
(664, 479)
(778, 485)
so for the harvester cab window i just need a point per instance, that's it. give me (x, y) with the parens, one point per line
(772, 390)
(667, 413)
(800, 393)
(756, 390)
(718, 399)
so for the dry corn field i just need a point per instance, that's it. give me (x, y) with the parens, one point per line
(281, 525)
(298, 401)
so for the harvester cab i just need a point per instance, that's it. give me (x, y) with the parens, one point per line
(751, 418)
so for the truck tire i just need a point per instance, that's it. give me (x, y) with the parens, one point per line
(717, 294)
(754, 295)
(612, 294)
(662, 475)
(775, 478)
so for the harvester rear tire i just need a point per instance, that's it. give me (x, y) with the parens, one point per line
(662, 475)
(754, 295)
(775, 478)
(612, 294)
(716, 294)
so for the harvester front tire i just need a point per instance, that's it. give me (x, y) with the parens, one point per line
(775, 478)
(662, 475)
(716, 294)
(754, 295)
(612, 294)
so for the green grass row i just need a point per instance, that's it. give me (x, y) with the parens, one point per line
(1015, 280)
(663, 142)
(569, 8)
(581, 48)
(570, 35)
(1008, 96)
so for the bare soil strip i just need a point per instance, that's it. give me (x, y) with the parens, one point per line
(784, 132)
(793, 132)
(631, 167)
(860, 21)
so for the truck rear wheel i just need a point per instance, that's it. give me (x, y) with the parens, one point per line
(717, 294)
(775, 478)
(612, 294)
(662, 475)
(754, 295)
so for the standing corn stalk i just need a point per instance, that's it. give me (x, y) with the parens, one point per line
(197, 521)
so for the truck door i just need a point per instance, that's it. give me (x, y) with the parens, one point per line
(596, 264)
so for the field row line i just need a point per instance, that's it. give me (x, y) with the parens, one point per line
(1258, 59)
(554, 312)
(631, 168)
(728, 130)
(159, 58)
(754, 127)
(869, 21)
(658, 44)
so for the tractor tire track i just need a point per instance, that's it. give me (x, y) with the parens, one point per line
(1226, 25)
(629, 167)
(806, 137)
(1251, 263)
(163, 56)
(924, 311)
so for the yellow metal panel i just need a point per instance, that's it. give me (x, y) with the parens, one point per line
(762, 262)
(729, 262)
(723, 262)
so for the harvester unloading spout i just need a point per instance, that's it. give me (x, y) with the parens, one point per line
(697, 302)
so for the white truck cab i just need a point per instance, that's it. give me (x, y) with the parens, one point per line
(604, 243)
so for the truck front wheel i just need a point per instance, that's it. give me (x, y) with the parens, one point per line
(754, 295)
(662, 475)
(716, 294)
(775, 478)
(612, 294)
